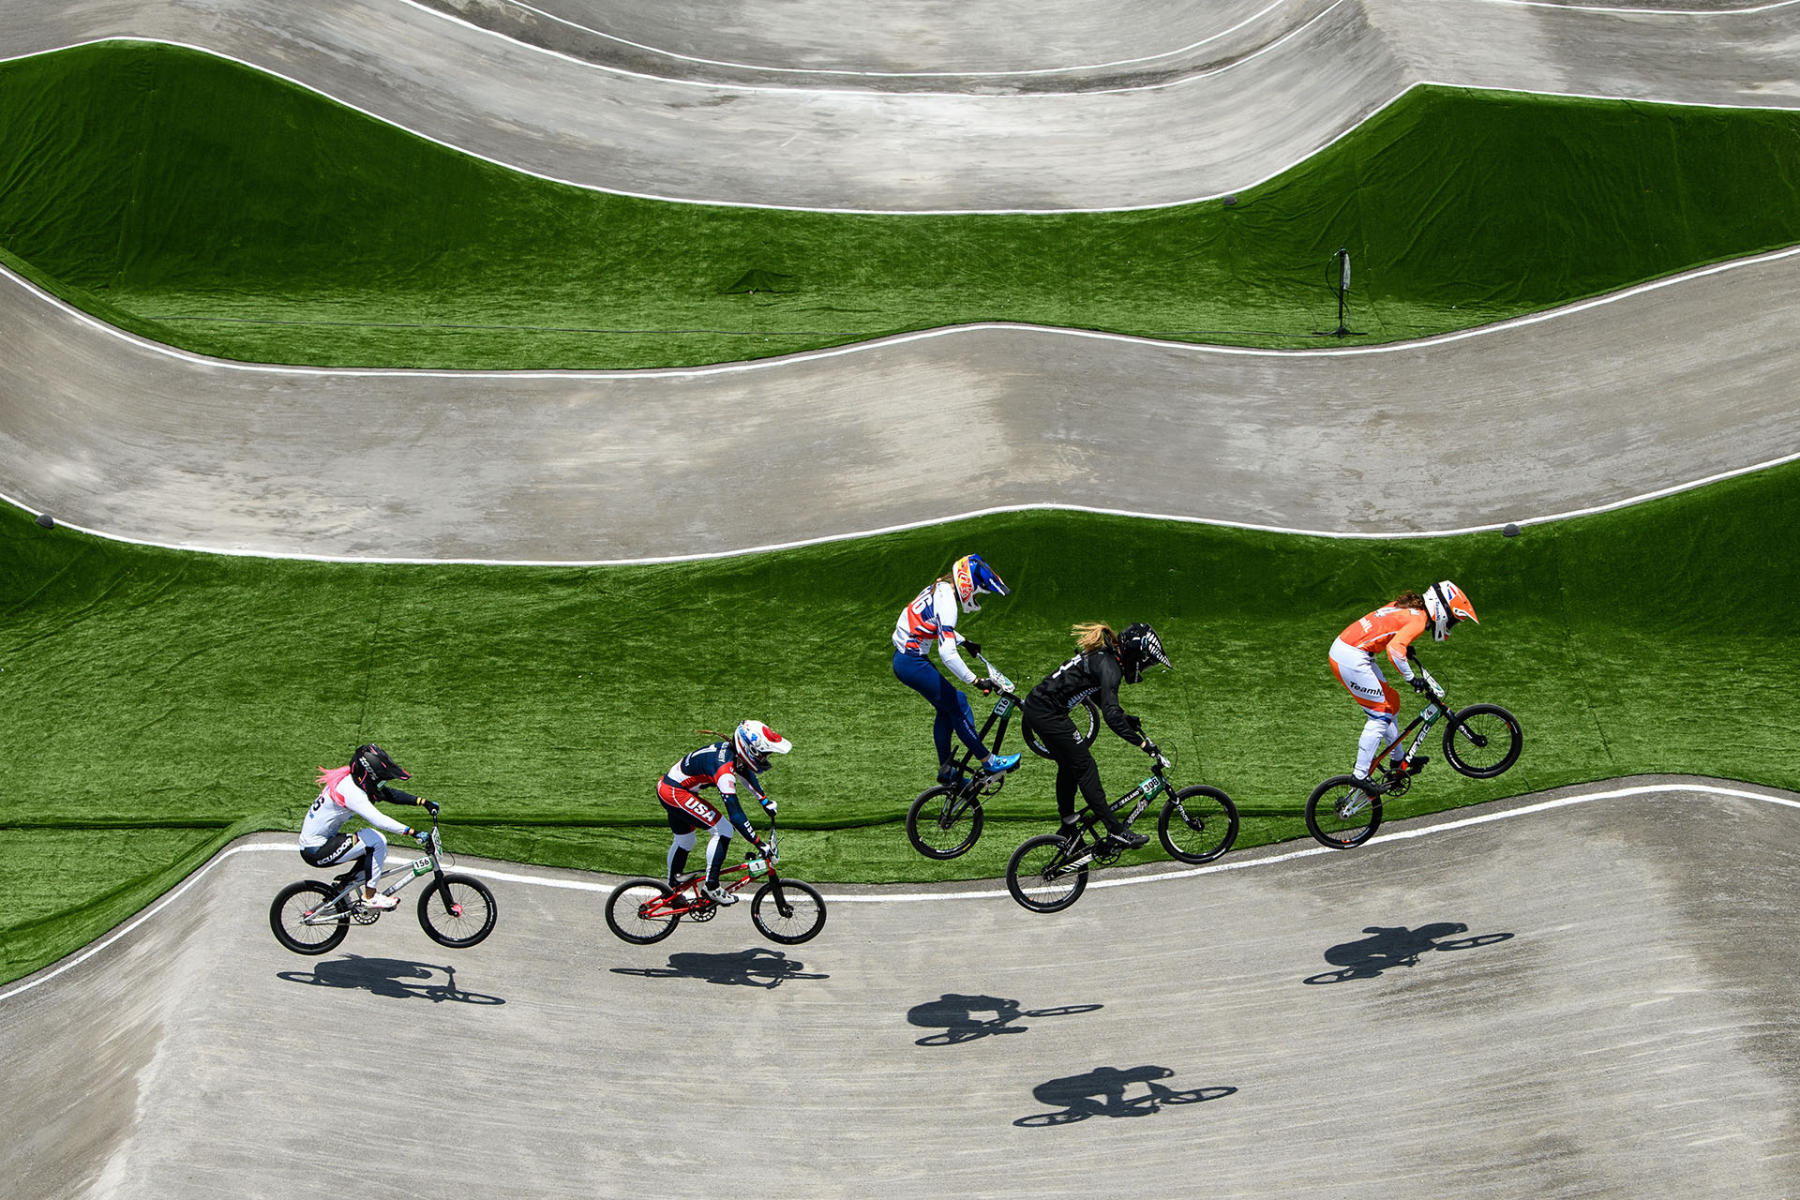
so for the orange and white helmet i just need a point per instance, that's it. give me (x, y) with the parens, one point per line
(1446, 604)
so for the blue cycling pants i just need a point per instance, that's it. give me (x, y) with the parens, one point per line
(953, 711)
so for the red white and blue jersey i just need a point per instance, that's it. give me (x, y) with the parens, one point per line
(931, 617)
(713, 766)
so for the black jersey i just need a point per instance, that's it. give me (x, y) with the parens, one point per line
(1095, 674)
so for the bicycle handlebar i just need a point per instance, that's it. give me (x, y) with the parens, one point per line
(999, 677)
(1433, 689)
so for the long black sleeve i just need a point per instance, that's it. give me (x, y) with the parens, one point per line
(1108, 676)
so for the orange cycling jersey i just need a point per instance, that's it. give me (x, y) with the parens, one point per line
(1392, 629)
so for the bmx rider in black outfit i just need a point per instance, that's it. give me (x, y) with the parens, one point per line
(1104, 660)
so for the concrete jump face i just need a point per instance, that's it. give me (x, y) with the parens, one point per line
(1227, 105)
(1590, 999)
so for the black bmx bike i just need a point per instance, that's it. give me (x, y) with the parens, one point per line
(1048, 873)
(945, 821)
(312, 916)
(1480, 741)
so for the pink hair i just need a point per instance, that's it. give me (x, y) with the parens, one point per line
(330, 777)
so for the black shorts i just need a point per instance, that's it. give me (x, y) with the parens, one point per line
(332, 851)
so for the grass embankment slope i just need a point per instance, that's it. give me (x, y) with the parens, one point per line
(160, 702)
(204, 204)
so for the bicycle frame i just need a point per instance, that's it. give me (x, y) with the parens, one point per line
(687, 900)
(1002, 712)
(1137, 799)
(431, 863)
(1427, 717)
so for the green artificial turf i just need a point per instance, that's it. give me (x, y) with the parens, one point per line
(201, 203)
(193, 695)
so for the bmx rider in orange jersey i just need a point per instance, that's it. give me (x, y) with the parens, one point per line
(1392, 628)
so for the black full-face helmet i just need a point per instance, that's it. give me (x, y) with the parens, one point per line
(1138, 648)
(370, 766)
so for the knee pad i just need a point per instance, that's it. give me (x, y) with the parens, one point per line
(685, 841)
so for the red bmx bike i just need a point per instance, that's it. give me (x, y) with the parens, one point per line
(644, 911)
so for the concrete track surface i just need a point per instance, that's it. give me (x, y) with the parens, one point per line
(1591, 407)
(1180, 109)
(1554, 997)
(1588, 407)
(1591, 998)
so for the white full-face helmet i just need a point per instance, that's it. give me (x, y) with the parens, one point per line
(754, 742)
(1447, 607)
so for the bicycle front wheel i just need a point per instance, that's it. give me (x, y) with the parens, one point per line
(1198, 824)
(457, 911)
(1344, 811)
(639, 912)
(1038, 877)
(1086, 715)
(1482, 741)
(292, 918)
(788, 911)
(941, 824)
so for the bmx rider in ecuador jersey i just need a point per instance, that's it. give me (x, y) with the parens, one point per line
(349, 791)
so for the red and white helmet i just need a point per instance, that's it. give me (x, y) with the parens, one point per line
(1446, 604)
(754, 742)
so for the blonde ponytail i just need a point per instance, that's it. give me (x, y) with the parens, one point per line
(1094, 635)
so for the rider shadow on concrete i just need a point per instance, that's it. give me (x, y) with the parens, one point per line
(390, 977)
(756, 967)
(1101, 1093)
(964, 1018)
(1390, 946)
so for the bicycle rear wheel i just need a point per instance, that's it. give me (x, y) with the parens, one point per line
(1482, 741)
(457, 911)
(1344, 811)
(1198, 824)
(1085, 714)
(1038, 878)
(940, 824)
(292, 921)
(638, 911)
(795, 917)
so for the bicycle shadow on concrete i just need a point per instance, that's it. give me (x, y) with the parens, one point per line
(1390, 946)
(391, 977)
(964, 1019)
(1102, 1093)
(756, 967)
